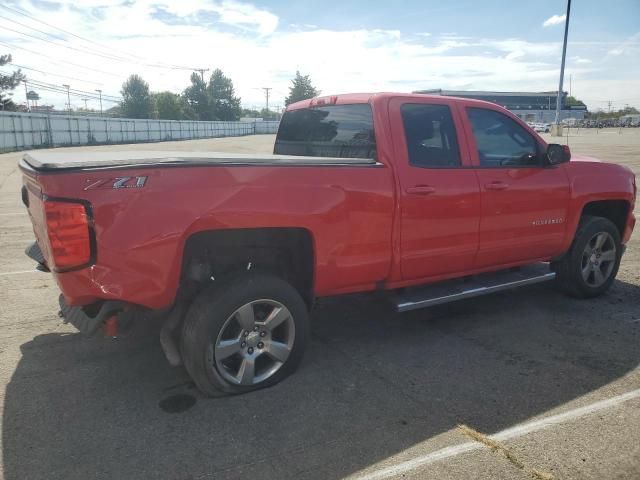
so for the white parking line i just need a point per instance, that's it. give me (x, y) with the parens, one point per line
(3, 274)
(508, 434)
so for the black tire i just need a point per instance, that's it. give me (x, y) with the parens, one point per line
(209, 315)
(569, 270)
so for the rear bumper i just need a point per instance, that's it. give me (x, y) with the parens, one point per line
(34, 253)
(89, 320)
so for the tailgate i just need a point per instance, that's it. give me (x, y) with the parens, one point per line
(32, 199)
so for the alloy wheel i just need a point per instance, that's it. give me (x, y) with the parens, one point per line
(598, 259)
(254, 342)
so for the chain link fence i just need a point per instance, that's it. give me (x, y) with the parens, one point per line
(23, 131)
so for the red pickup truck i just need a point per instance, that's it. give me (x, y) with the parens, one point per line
(429, 198)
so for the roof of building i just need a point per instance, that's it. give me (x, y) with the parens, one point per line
(463, 93)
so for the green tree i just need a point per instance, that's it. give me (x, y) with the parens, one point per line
(301, 89)
(248, 112)
(115, 111)
(198, 98)
(222, 100)
(171, 106)
(8, 83)
(136, 98)
(573, 102)
(268, 114)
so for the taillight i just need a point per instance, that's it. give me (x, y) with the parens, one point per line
(69, 234)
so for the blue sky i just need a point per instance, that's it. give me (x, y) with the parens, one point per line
(344, 46)
(486, 18)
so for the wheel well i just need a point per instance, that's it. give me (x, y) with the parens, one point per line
(614, 210)
(286, 252)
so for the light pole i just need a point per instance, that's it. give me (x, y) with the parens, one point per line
(557, 130)
(26, 95)
(100, 93)
(68, 97)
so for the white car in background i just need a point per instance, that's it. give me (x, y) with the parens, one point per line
(542, 127)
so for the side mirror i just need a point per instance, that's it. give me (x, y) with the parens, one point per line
(558, 154)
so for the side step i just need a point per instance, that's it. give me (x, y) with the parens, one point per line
(452, 290)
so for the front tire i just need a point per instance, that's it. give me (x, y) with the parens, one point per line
(591, 265)
(248, 334)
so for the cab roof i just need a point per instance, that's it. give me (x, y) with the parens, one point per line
(351, 98)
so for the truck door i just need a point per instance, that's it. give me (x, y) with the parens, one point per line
(439, 198)
(524, 199)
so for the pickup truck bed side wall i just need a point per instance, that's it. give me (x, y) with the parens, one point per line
(142, 232)
(366, 229)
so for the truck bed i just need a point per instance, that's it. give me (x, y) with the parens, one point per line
(66, 160)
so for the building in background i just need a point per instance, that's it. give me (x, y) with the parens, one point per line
(536, 107)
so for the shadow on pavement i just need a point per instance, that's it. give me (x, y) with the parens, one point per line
(373, 384)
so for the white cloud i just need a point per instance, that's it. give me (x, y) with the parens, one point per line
(248, 44)
(629, 47)
(554, 20)
(243, 14)
(581, 60)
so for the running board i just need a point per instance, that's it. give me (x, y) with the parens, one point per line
(452, 290)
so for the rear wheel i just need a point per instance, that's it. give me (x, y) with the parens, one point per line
(591, 265)
(248, 334)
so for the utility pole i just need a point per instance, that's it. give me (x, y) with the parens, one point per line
(85, 103)
(26, 95)
(100, 93)
(201, 70)
(558, 131)
(266, 91)
(68, 97)
(609, 105)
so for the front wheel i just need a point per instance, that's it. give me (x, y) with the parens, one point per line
(247, 334)
(591, 265)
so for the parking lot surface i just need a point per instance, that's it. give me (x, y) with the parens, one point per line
(379, 394)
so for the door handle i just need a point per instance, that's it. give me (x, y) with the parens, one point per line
(496, 186)
(420, 190)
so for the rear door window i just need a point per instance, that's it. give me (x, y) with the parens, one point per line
(430, 135)
(328, 131)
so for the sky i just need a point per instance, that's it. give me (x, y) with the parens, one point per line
(354, 46)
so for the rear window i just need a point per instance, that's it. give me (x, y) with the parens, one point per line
(329, 131)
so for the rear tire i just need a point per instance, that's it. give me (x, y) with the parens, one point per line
(591, 264)
(247, 334)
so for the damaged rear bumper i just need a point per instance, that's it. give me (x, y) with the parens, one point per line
(89, 319)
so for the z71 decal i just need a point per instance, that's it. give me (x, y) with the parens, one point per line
(116, 183)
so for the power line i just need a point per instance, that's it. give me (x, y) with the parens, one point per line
(61, 61)
(110, 49)
(72, 92)
(88, 52)
(53, 74)
(48, 34)
(52, 26)
(77, 90)
(63, 46)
